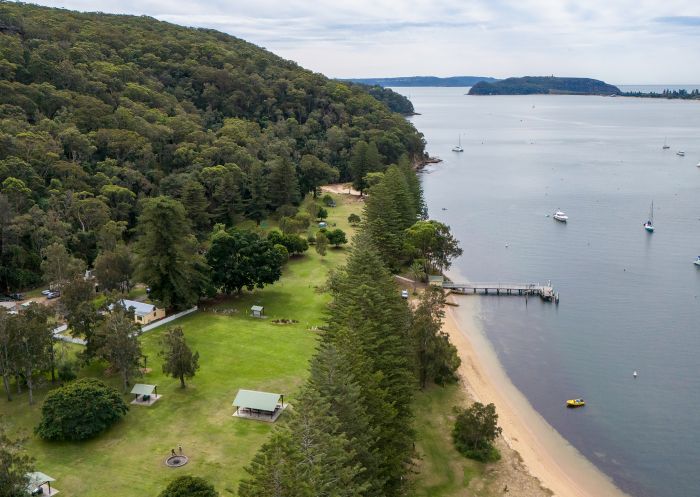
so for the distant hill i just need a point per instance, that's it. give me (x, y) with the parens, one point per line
(422, 81)
(530, 85)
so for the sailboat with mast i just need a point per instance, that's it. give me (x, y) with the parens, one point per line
(649, 225)
(666, 146)
(458, 148)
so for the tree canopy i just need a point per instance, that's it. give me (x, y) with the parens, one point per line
(99, 112)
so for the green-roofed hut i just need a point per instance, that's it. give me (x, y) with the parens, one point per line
(263, 406)
(145, 395)
(39, 483)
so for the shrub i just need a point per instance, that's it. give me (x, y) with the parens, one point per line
(189, 486)
(476, 427)
(284, 253)
(354, 219)
(79, 410)
(337, 237)
(67, 372)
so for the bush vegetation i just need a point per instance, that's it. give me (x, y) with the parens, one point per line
(80, 410)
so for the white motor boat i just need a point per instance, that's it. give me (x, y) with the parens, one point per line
(561, 216)
(697, 261)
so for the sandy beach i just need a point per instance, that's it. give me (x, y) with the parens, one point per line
(545, 454)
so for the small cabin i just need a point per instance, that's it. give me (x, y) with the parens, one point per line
(143, 313)
(436, 280)
(257, 311)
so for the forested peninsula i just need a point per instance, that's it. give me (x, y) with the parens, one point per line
(544, 85)
(100, 112)
(409, 81)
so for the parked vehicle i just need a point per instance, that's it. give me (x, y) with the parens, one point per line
(404, 294)
(53, 295)
(45, 292)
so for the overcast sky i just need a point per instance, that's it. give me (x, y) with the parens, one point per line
(620, 41)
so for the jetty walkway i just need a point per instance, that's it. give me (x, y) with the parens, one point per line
(546, 292)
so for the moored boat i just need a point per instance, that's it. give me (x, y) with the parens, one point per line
(649, 225)
(680, 153)
(561, 216)
(697, 261)
(575, 403)
(458, 148)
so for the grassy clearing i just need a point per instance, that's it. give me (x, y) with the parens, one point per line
(236, 351)
(443, 471)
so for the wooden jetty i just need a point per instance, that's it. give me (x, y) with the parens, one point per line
(546, 292)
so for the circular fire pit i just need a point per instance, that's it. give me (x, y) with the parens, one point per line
(176, 461)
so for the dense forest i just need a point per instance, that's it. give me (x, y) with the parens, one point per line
(668, 94)
(395, 102)
(99, 112)
(530, 85)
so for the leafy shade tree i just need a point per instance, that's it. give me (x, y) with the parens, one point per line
(354, 219)
(294, 244)
(9, 343)
(189, 486)
(436, 357)
(59, 266)
(337, 237)
(475, 430)
(433, 242)
(314, 173)
(80, 410)
(321, 244)
(322, 213)
(113, 269)
(14, 466)
(118, 343)
(34, 352)
(166, 254)
(179, 361)
(82, 315)
(240, 258)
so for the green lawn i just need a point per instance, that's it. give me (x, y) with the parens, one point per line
(443, 472)
(236, 351)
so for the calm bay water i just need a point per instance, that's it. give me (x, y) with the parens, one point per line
(629, 300)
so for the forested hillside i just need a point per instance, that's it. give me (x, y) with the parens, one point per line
(98, 112)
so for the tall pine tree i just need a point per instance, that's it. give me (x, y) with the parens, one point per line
(167, 258)
(370, 321)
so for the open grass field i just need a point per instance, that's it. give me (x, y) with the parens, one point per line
(236, 351)
(443, 471)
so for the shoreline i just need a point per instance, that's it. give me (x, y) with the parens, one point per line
(547, 456)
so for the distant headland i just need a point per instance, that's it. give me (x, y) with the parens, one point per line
(544, 85)
(422, 81)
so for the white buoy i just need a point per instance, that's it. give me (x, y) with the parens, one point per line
(634, 374)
